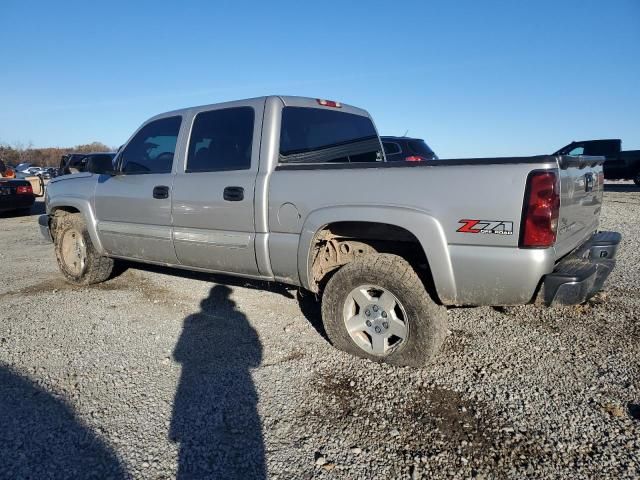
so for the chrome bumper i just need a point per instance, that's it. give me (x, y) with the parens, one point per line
(581, 274)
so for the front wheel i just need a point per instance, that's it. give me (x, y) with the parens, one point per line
(377, 307)
(77, 257)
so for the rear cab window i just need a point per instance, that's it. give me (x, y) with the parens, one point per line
(315, 135)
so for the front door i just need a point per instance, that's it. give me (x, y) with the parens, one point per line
(213, 195)
(133, 208)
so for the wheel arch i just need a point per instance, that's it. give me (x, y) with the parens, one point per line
(83, 207)
(426, 230)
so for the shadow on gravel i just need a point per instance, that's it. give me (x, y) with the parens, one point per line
(40, 436)
(123, 265)
(308, 302)
(608, 187)
(38, 208)
(215, 418)
(311, 308)
(634, 410)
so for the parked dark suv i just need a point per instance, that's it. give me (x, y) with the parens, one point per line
(406, 149)
(77, 162)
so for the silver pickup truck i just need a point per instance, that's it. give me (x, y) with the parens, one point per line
(297, 190)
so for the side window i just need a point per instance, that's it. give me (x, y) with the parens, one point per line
(574, 152)
(314, 135)
(391, 148)
(221, 140)
(153, 147)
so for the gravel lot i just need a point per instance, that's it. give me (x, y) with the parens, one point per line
(160, 373)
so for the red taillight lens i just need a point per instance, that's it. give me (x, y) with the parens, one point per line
(24, 190)
(414, 158)
(541, 210)
(329, 103)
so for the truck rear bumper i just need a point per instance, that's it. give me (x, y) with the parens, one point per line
(581, 274)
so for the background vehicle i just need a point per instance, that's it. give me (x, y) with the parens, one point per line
(15, 194)
(77, 162)
(619, 164)
(295, 190)
(407, 149)
(23, 167)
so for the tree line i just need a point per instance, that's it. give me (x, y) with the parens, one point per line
(45, 157)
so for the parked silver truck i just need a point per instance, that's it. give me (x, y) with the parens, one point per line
(297, 190)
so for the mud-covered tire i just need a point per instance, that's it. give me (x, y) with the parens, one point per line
(77, 257)
(426, 322)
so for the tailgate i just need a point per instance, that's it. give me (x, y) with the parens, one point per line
(581, 189)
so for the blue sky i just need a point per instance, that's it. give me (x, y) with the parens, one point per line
(474, 78)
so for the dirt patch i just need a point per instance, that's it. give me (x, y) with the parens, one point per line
(44, 286)
(432, 424)
(459, 422)
(127, 281)
(340, 391)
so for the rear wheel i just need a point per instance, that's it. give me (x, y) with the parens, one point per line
(77, 257)
(376, 307)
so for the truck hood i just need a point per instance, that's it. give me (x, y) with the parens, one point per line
(71, 176)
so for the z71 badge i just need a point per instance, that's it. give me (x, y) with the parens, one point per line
(497, 227)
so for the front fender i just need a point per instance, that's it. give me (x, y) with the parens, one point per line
(83, 205)
(423, 226)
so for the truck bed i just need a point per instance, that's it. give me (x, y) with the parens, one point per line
(437, 196)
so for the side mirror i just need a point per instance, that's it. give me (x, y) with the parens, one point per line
(101, 165)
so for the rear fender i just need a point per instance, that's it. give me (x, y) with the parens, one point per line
(423, 226)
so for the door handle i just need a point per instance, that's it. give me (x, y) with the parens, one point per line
(161, 191)
(233, 194)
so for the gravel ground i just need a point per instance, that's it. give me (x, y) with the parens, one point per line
(159, 373)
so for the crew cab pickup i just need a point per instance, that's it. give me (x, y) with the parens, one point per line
(618, 165)
(297, 190)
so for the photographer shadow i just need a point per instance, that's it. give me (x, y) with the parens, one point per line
(215, 418)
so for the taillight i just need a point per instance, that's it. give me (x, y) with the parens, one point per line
(414, 158)
(541, 211)
(24, 190)
(329, 103)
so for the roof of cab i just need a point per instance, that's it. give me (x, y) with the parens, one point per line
(287, 100)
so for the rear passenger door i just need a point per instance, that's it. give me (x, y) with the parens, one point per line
(213, 195)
